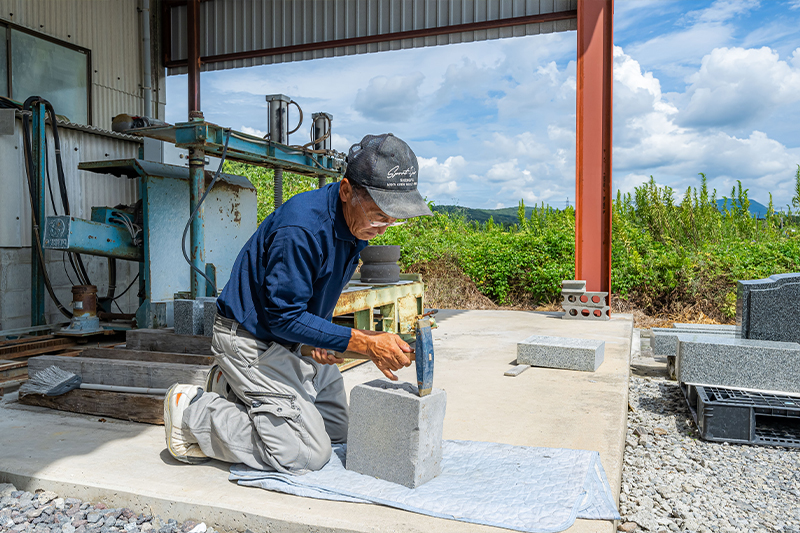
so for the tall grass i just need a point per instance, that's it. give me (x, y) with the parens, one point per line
(670, 250)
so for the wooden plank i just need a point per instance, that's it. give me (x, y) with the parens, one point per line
(126, 373)
(15, 369)
(35, 348)
(26, 340)
(134, 407)
(145, 355)
(350, 363)
(159, 340)
(11, 385)
(68, 353)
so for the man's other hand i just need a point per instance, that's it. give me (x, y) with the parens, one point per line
(325, 357)
(388, 351)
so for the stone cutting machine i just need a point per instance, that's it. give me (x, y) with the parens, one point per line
(219, 209)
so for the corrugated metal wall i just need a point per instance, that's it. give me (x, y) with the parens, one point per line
(229, 26)
(110, 29)
(85, 189)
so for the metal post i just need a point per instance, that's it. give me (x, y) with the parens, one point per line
(321, 126)
(196, 155)
(39, 177)
(278, 133)
(193, 45)
(197, 252)
(593, 144)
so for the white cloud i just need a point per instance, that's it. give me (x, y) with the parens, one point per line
(390, 99)
(342, 143)
(652, 141)
(440, 179)
(735, 85)
(723, 10)
(252, 131)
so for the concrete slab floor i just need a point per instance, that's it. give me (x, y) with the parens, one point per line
(126, 464)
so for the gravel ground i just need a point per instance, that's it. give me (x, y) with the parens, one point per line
(46, 512)
(673, 481)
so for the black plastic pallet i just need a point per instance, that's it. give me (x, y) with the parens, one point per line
(742, 416)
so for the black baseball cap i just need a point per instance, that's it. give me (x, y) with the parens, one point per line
(388, 169)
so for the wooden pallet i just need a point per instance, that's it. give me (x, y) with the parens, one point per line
(127, 367)
(14, 355)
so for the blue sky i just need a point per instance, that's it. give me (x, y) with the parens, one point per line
(709, 87)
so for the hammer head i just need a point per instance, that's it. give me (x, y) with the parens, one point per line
(423, 351)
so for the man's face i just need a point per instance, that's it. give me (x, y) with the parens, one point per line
(365, 219)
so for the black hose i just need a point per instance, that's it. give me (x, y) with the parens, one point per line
(37, 244)
(62, 182)
(127, 288)
(197, 208)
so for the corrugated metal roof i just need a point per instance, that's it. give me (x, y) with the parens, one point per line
(234, 26)
(111, 30)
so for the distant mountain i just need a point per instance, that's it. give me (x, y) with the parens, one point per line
(505, 216)
(757, 210)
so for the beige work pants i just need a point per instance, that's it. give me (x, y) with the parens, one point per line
(291, 408)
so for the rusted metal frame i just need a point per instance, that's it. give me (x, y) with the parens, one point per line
(398, 305)
(197, 155)
(193, 49)
(372, 39)
(593, 144)
(240, 148)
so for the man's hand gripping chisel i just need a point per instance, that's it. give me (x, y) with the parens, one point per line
(423, 351)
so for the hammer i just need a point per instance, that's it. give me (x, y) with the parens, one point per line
(423, 353)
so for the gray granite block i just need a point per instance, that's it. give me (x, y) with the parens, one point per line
(515, 371)
(188, 317)
(561, 352)
(723, 328)
(394, 434)
(209, 314)
(664, 341)
(764, 308)
(573, 285)
(739, 363)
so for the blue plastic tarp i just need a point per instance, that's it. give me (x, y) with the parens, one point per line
(538, 490)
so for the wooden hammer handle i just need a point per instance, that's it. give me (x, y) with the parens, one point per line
(307, 350)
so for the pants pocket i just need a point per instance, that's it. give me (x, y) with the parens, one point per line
(274, 403)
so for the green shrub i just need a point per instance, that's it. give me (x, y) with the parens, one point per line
(667, 252)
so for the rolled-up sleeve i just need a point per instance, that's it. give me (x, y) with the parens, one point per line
(292, 260)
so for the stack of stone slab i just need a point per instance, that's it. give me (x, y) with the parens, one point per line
(664, 341)
(579, 304)
(195, 317)
(764, 352)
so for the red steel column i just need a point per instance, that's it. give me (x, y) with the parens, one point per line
(593, 144)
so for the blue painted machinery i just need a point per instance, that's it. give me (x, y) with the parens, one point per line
(151, 234)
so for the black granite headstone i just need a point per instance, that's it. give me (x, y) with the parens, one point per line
(766, 308)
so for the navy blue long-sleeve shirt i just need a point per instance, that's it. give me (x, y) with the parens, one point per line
(288, 277)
